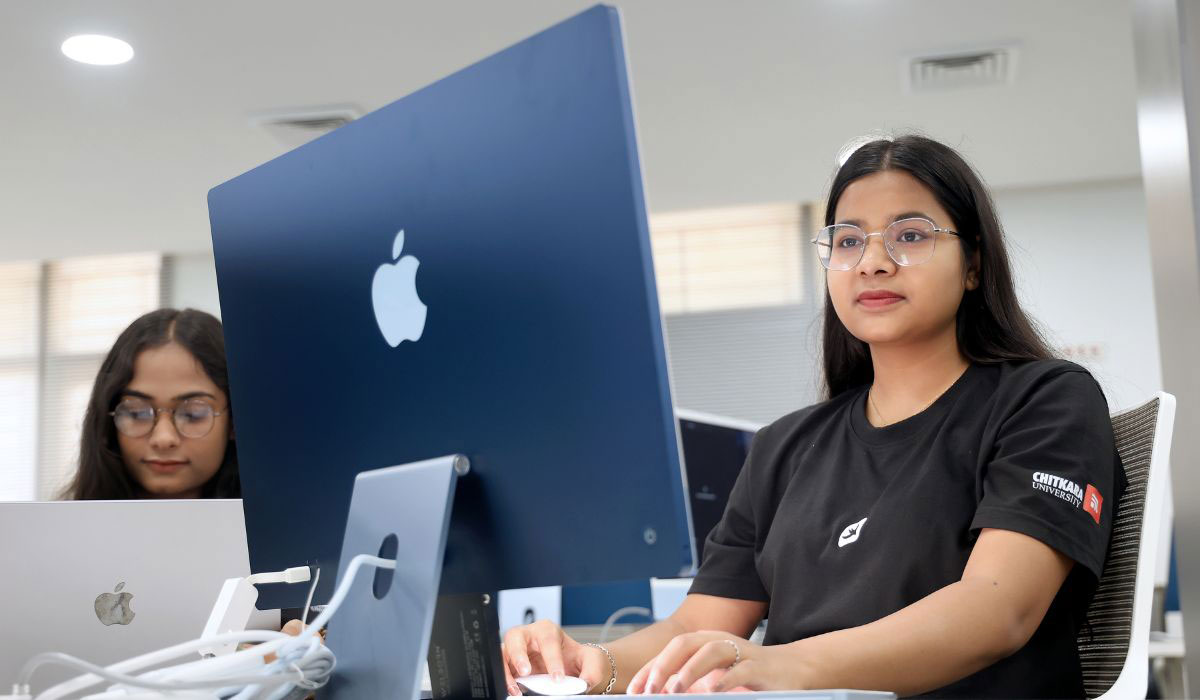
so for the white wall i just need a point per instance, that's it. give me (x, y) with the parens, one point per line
(1082, 261)
(192, 283)
(753, 364)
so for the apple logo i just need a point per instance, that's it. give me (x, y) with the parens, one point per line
(113, 608)
(398, 310)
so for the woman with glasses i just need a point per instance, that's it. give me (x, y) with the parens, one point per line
(158, 424)
(938, 524)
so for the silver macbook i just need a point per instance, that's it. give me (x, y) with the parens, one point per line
(107, 580)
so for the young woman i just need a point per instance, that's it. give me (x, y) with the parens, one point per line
(159, 423)
(938, 525)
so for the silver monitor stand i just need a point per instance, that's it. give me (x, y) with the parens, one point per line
(381, 633)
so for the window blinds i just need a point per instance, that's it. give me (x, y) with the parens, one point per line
(57, 322)
(741, 294)
(20, 285)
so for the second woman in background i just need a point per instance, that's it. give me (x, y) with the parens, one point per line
(159, 423)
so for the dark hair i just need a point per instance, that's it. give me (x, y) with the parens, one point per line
(991, 326)
(102, 473)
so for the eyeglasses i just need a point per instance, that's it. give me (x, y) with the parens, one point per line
(136, 418)
(907, 241)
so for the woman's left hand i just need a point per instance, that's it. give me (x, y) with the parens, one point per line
(707, 662)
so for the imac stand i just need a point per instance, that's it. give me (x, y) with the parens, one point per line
(381, 634)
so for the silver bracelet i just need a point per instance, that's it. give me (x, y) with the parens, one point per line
(612, 667)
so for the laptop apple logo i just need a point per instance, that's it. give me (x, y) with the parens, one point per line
(398, 310)
(113, 608)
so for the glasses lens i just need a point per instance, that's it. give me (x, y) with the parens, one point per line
(134, 418)
(824, 243)
(910, 241)
(844, 245)
(194, 419)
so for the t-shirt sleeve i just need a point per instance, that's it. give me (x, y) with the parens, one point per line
(728, 569)
(1054, 473)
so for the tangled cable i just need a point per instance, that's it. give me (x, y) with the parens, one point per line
(301, 664)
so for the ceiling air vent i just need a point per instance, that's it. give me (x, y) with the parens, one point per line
(961, 69)
(296, 127)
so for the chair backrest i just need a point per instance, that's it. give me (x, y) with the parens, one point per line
(1113, 642)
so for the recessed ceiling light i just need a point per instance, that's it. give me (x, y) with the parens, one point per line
(97, 50)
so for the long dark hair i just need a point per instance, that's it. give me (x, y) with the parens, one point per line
(102, 473)
(991, 325)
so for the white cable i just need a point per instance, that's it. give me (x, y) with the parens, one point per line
(250, 663)
(302, 662)
(308, 601)
(122, 694)
(236, 602)
(620, 613)
(61, 659)
(267, 640)
(296, 574)
(343, 590)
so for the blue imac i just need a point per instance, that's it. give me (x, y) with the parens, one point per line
(714, 450)
(464, 271)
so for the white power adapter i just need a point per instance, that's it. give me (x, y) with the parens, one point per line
(235, 605)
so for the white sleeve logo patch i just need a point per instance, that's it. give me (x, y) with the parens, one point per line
(1071, 492)
(1058, 487)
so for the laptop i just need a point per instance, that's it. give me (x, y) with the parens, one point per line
(108, 580)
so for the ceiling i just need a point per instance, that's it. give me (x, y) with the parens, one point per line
(737, 102)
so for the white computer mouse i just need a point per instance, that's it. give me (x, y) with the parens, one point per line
(543, 684)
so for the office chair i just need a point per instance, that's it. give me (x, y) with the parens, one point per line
(1113, 642)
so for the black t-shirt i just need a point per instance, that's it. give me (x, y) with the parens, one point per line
(835, 523)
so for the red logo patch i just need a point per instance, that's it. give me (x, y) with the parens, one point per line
(1092, 501)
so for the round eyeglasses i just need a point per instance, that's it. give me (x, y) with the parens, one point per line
(907, 241)
(193, 418)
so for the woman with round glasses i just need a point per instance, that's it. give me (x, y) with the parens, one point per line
(158, 424)
(939, 523)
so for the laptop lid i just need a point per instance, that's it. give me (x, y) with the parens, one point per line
(108, 580)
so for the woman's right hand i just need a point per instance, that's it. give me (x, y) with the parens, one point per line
(543, 647)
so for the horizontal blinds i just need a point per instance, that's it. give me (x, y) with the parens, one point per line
(89, 301)
(728, 258)
(753, 364)
(740, 292)
(19, 348)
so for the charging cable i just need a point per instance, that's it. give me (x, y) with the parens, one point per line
(296, 574)
(235, 604)
(302, 663)
(620, 614)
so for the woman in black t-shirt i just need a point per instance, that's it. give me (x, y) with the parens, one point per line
(938, 525)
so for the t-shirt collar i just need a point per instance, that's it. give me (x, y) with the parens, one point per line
(913, 425)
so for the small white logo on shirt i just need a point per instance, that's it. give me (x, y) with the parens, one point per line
(851, 533)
